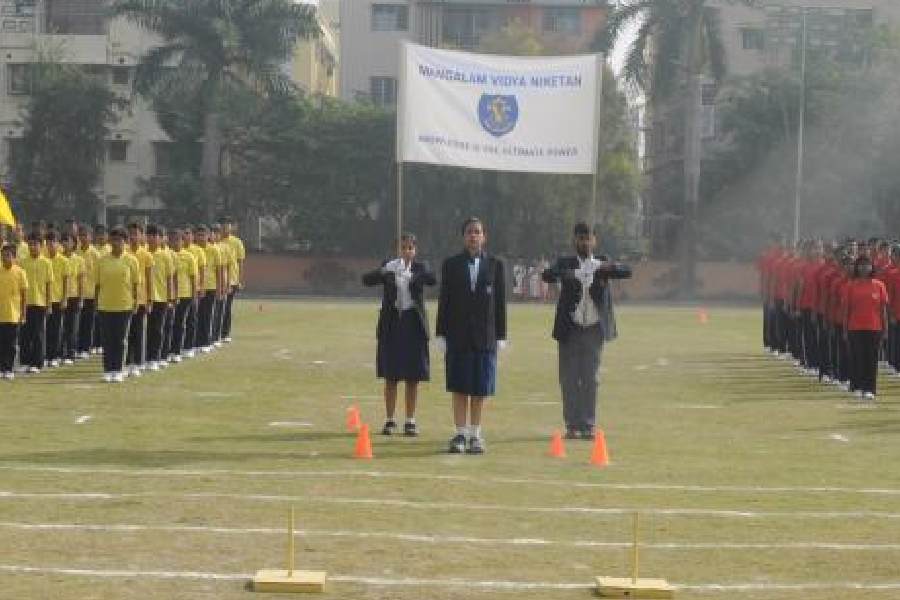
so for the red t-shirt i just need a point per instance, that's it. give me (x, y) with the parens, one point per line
(836, 292)
(891, 279)
(866, 300)
(823, 282)
(809, 295)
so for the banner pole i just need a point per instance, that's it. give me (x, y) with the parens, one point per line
(399, 207)
(598, 100)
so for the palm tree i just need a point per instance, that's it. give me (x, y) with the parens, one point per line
(678, 42)
(209, 46)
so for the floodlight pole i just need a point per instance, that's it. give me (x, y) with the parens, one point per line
(801, 130)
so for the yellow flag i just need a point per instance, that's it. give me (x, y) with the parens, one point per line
(6, 216)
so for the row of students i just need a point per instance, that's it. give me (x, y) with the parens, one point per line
(834, 310)
(178, 290)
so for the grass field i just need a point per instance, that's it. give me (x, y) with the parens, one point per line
(753, 481)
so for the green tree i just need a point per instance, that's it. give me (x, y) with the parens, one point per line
(212, 47)
(677, 42)
(58, 163)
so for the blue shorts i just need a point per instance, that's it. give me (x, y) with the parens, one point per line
(473, 373)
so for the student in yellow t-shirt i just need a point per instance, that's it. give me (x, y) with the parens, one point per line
(118, 279)
(185, 279)
(224, 283)
(13, 287)
(136, 356)
(73, 299)
(190, 328)
(160, 292)
(103, 247)
(169, 320)
(58, 296)
(90, 255)
(235, 276)
(33, 338)
(212, 277)
(21, 241)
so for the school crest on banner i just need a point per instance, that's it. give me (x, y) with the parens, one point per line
(498, 114)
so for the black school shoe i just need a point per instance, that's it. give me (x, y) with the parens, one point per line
(410, 429)
(457, 444)
(476, 446)
(389, 428)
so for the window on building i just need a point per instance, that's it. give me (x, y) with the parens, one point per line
(463, 27)
(383, 90)
(14, 150)
(121, 75)
(117, 151)
(562, 20)
(752, 38)
(76, 17)
(18, 79)
(390, 17)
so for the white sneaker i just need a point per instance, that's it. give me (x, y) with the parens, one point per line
(54, 363)
(206, 349)
(217, 344)
(84, 356)
(10, 375)
(190, 353)
(826, 379)
(163, 364)
(107, 377)
(154, 366)
(34, 370)
(869, 396)
(134, 371)
(175, 359)
(68, 362)
(227, 340)
(118, 377)
(859, 395)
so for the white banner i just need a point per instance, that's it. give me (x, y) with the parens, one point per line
(497, 112)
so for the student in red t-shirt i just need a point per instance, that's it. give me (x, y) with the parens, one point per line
(865, 321)
(892, 283)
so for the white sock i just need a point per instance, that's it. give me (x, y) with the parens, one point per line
(475, 431)
(411, 420)
(462, 430)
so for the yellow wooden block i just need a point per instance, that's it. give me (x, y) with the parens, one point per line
(298, 582)
(615, 587)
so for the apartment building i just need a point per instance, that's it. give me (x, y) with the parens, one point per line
(371, 31)
(79, 32)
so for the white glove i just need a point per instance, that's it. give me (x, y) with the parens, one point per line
(441, 344)
(393, 266)
(502, 345)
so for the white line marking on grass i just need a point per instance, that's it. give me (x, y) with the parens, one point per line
(838, 437)
(458, 583)
(448, 539)
(290, 424)
(83, 419)
(215, 394)
(583, 510)
(696, 406)
(318, 362)
(283, 354)
(727, 489)
(662, 362)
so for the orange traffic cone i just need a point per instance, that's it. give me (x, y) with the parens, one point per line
(600, 455)
(363, 443)
(557, 447)
(353, 419)
(703, 316)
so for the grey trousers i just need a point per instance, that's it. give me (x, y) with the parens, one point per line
(579, 376)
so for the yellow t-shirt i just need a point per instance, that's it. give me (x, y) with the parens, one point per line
(162, 273)
(90, 258)
(185, 270)
(59, 289)
(103, 249)
(211, 272)
(228, 261)
(39, 273)
(76, 269)
(200, 256)
(145, 261)
(116, 277)
(240, 253)
(170, 256)
(13, 281)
